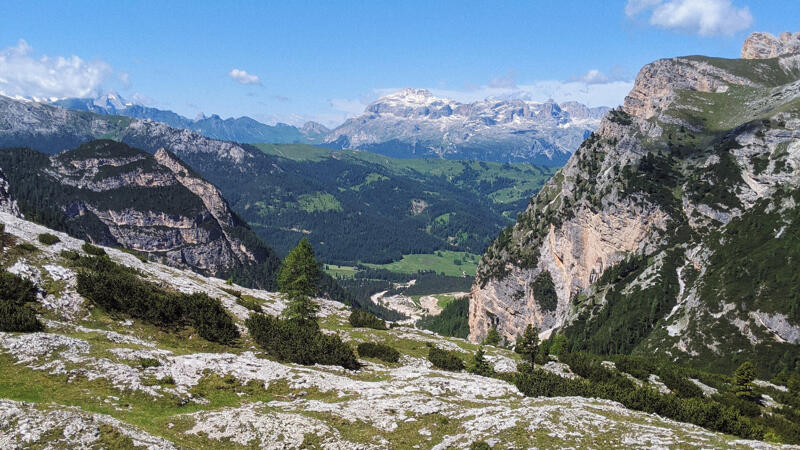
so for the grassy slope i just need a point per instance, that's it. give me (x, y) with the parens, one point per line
(433, 261)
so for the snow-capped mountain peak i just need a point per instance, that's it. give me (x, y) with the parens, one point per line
(415, 122)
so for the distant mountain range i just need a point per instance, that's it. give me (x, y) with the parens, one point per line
(353, 206)
(413, 123)
(242, 129)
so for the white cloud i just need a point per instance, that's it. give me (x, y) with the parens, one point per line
(593, 76)
(242, 77)
(45, 78)
(702, 17)
(509, 80)
(140, 99)
(594, 93)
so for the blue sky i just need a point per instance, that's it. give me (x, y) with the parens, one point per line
(298, 60)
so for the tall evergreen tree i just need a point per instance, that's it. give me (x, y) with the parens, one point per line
(297, 279)
(492, 337)
(743, 381)
(528, 344)
(479, 365)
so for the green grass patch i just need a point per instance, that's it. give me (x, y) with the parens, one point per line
(454, 264)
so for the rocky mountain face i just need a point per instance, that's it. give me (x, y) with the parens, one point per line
(765, 45)
(115, 195)
(673, 230)
(414, 123)
(7, 203)
(241, 129)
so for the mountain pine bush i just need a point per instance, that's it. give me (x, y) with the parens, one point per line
(299, 342)
(379, 351)
(16, 298)
(445, 359)
(118, 289)
(48, 239)
(363, 319)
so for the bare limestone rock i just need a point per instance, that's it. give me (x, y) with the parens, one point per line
(766, 45)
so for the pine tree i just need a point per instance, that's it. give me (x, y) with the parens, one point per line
(492, 337)
(743, 381)
(297, 279)
(479, 365)
(528, 344)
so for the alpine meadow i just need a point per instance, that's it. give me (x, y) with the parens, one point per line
(416, 225)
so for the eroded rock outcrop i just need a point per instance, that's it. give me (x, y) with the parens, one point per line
(766, 45)
(7, 203)
(119, 196)
(700, 160)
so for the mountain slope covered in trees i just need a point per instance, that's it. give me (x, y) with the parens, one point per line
(116, 195)
(673, 230)
(352, 206)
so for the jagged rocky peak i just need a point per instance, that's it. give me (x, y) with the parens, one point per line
(417, 123)
(412, 102)
(703, 152)
(314, 128)
(765, 45)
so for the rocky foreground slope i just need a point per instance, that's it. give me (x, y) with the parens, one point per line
(674, 228)
(413, 123)
(94, 380)
(115, 195)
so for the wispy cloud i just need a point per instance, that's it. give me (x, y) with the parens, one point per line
(593, 76)
(242, 77)
(352, 107)
(46, 78)
(701, 17)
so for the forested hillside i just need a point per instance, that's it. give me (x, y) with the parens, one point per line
(359, 207)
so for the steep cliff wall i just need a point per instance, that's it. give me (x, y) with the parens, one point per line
(702, 148)
(116, 195)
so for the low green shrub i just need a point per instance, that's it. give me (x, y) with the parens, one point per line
(720, 413)
(249, 302)
(26, 247)
(93, 250)
(379, 351)
(71, 255)
(233, 292)
(48, 239)
(148, 362)
(17, 295)
(363, 319)
(300, 342)
(445, 359)
(118, 289)
(209, 318)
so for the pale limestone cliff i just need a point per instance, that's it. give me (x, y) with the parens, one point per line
(766, 45)
(7, 204)
(597, 210)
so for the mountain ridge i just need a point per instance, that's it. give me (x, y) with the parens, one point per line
(415, 123)
(702, 149)
(116, 195)
(241, 129)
